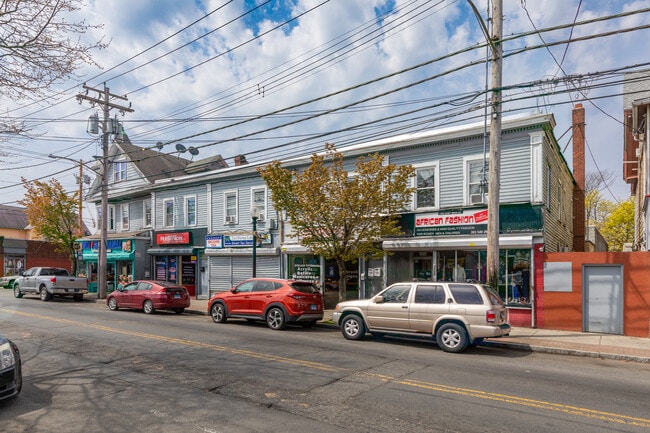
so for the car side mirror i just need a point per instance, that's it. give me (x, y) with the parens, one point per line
(234, 290)
(379, 299)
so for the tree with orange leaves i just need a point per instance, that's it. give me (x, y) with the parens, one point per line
(52, 214)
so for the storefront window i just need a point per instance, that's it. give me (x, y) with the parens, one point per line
(518, 276)
(304, 267)
(14, 265)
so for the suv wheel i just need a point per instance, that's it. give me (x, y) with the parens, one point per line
(275, 319)
(452, 337)
(352, 327)
(218, 312)
(17, 292)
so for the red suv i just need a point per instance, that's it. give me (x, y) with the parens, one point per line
(275, 301)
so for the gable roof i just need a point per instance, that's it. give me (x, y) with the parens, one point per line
(12, 217)
(152, 164)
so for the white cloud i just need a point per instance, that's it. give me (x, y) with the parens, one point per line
(225, 88)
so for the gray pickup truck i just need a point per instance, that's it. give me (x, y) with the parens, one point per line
(48, 282)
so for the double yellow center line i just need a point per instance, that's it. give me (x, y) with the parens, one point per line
(472, 393)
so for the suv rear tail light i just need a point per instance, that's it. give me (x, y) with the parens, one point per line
(491, 316)
(297, 296)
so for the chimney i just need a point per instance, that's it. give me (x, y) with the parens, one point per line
(579, 217)
(240, 160)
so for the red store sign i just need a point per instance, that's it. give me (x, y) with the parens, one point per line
(173, 238)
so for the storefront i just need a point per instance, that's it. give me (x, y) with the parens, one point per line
(125, 259)
(452, 246)
(230, 257)
(176, 257)
(14, 253)
(302, 265)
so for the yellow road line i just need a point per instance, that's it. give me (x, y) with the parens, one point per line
(473, 393)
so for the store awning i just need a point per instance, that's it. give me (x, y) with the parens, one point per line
(413, 244)
(14, 246)
(295, 249)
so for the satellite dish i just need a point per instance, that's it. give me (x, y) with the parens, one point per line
(193, 151)
(180, 148)
(159, 145)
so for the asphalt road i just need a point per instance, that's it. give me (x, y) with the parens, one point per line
(88, 369)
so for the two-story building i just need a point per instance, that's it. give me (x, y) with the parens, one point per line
(191, 222)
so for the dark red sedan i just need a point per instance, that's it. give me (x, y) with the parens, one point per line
(150, 296)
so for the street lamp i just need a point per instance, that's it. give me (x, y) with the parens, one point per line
(255, 214)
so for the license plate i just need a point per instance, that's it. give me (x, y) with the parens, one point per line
(313, 307)
(177, 296)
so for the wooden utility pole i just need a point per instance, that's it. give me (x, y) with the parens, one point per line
(495, 145)
(81, 191)
(103, 100)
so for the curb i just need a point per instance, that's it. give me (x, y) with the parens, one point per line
(559, 351)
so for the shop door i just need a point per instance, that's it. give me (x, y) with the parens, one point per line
(203, 283)
(188, 274)
(422, 268)
(603, 299)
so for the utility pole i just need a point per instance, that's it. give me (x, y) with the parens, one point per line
(495, 146)
(81, 191)
(103, 100)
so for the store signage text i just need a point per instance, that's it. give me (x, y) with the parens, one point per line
(236, 240)
(461, 222)
(173, 238)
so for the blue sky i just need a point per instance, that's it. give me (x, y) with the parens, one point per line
(194, 71)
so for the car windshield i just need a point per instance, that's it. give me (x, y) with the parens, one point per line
(304, 287)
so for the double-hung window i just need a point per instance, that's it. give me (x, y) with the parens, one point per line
(258, 199)
(168, 213)
(426, 185)
(110, 222)
(190, 211)
(230, 207)
(476, 176)
(125, 216)
(119, 171)
(146, 211)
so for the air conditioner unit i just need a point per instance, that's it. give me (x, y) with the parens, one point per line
(478, 199)
(260, 218)
(230, 219)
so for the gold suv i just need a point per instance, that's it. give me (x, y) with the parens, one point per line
(456, 315)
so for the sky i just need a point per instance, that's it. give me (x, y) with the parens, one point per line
(277, 78)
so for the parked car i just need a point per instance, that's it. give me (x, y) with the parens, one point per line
(11, 376)
(455, 315)
(7, 282)
(48, 282)
(149, 296)
(275, 301)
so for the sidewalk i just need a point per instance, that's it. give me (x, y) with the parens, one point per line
(604, 346)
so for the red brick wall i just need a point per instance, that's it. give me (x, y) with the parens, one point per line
(563, 310)
(43, 254)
